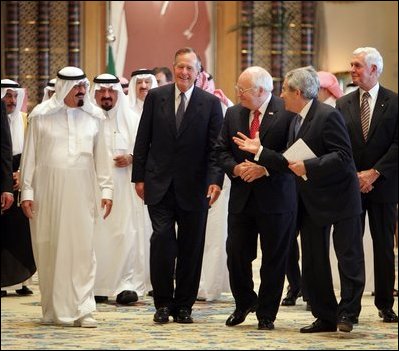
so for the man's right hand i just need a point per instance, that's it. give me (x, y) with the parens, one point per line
(6, 200)
(140, 190)
(27, 208)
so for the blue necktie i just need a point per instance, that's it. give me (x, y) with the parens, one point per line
(298, 123)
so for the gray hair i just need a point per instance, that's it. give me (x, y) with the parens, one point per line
(304, 79)
(371, 57)
(260, 78)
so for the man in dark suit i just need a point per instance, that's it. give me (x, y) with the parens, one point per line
(375, 150)
(176, 173)
(262, 198)
(7, 197)
(328, 195)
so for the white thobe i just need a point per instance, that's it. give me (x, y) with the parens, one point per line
(65, 159)
(116, 237)
(143, 232)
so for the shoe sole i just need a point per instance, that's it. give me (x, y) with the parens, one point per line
(344, 327)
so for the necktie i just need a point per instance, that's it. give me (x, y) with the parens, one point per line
(298, 123)
(180, 111)
(254, 125)
(365, 114)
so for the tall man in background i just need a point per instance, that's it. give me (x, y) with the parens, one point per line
(371, 116)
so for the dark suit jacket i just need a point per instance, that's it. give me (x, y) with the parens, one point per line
(331, 192)
(276, 193)
(6, 153)
(380, 151)
(184, 158)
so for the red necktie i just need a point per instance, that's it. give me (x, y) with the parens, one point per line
(254, 125)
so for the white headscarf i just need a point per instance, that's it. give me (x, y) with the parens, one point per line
(140, 74)
(50, 87)
(125, 122)
(67, 78)
(15, 118)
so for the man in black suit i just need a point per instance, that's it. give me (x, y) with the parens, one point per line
(375, 150)
(328, 195)
(7, 197)
(176, 173)
(262, 198)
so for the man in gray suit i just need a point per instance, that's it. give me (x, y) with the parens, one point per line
(176, 174)
(371, 116)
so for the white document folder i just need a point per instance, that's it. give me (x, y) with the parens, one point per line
(299, 151)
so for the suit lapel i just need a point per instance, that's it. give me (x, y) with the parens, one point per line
(168, 108)
(307, 121)
(191, 110)
(354, 114)
(379, 109)
(268, 119)
(243, 126)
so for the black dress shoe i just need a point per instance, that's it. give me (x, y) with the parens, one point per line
(345, 323)
(388, 316)
(3, 293)
(183, 316)
(238, 316)
(162, 315)
(290, 298)
(319, 326)
(265, 324)
(24, 291)
(126, 297)
(101, 299)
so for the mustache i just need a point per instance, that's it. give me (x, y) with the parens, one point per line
(106, 99)
(80, 95)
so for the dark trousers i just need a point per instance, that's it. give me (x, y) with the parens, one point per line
(348, 246)
(382, 221)
(275, 231)
(182, 249)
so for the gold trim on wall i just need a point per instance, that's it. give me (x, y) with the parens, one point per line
(93, 48)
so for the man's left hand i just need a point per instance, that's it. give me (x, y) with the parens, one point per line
(213, 193)
(107, 204)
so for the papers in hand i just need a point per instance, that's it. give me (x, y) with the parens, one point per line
(299, 151)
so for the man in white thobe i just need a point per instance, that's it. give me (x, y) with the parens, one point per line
(64, 161)
(140, 83)
(116, 242)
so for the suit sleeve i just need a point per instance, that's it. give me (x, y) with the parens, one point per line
(143, 141)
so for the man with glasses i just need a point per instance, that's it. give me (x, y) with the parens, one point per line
(262, 198)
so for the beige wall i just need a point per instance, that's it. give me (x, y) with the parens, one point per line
(347, 25)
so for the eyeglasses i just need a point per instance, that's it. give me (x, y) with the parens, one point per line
(241, 90)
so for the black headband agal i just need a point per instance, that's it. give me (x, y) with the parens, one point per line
(61, 76)
(10, 85)
(105, 80)
(142, 71)
(125, 85)
(49, 84)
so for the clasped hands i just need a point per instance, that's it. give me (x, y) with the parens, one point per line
(366, 180)
(252, 145)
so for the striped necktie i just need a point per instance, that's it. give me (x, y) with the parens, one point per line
(365, 114)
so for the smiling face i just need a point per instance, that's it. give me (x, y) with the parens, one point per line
(363, 75)
(186, 69)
